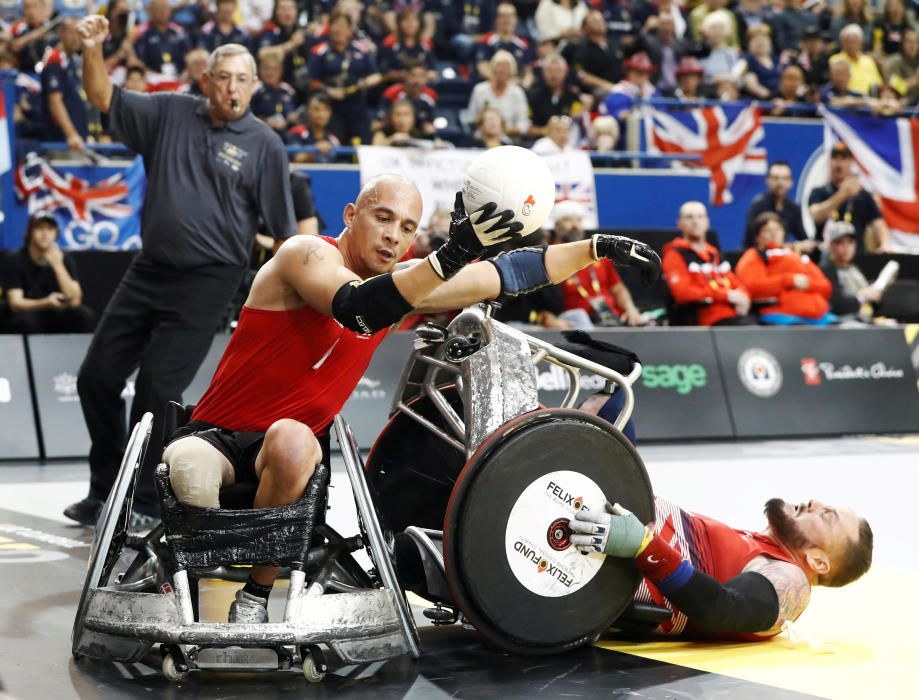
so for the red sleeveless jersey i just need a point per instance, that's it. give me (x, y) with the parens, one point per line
(711, 547)
(297, 364)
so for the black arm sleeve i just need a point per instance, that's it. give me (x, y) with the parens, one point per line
(746, 603)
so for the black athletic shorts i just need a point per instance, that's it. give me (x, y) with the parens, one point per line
(240, 448)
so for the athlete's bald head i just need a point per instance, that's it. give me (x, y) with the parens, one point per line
(373, 189)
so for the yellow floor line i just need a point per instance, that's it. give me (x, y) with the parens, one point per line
(869, 626)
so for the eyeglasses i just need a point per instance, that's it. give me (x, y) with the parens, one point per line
(840, 154)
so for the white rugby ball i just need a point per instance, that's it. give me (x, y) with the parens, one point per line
(514, 178)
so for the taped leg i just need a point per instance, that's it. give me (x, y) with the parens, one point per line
(197, 470)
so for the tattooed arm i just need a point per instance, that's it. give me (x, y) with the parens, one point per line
(791, 586)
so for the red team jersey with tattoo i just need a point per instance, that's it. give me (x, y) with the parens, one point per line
(298, 364)
(710, 546)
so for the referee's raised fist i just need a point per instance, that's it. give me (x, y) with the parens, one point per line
(93, 30)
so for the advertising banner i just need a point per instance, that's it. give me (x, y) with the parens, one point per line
(679, 394)
(18, 438)
(439, 175)
(816, 381)
(56, 362)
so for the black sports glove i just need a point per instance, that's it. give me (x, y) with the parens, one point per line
(628, 252)
(471, 234)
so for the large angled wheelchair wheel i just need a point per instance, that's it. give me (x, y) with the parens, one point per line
(112, 527)
(510, 565)
(411, 471)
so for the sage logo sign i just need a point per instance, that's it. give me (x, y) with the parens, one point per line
(682, 378)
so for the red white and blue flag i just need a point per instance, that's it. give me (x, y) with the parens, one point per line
(728, 138)
(103, 214)
(887, 153)
(6, 158)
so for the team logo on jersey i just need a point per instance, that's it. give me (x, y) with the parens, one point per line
(760, 372)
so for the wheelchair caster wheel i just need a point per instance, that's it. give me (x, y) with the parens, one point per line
(313, 671)
(171, 672)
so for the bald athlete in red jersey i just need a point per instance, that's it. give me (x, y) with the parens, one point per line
(727, 583)
(315, 314)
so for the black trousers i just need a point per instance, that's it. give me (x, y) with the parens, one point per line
(160, 321)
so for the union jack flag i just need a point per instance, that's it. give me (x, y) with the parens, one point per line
(728, 138)
(84, 209)
(887, 153)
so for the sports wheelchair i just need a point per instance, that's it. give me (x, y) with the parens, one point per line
(464, 499)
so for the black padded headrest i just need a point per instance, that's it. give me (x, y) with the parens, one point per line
(584, 345)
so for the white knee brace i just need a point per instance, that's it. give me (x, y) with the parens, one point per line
(197, 470)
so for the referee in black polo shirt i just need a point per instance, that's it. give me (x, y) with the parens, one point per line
(213, 171)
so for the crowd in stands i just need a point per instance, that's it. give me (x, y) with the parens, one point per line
(430, 73)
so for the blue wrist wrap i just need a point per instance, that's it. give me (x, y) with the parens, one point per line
(522, 270)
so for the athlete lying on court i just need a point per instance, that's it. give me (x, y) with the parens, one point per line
(727, 583)
(314, 316)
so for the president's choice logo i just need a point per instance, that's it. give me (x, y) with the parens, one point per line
(682, 378)
(816, 372)
(760, 372)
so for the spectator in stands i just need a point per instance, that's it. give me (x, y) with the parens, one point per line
(560, 19)
(697, 22)
(788, 101)
(135, 79)
(502, 92)
(314, 131)
(284, 34)
(813, 57)
(195, 68)
(595, 59)
(68, 117)
(32, 35)
(721, 59)
(118, 48)
(10, 11)
(851, 294)
(689, 79)
(843, 199)
(852, 12)
(888, 29)
(553, 96)
(704, 289)
(726, 88)
(491, 131)
(505, 38)
(865, 75)
(255, 14)
(666, 51)
(888, 102)
(461, 25)
(790, 287)
(222, 29)
(597, 291)
(837, 92)
(779, 183)
(749, 14)
(558, 138)
(345, 70)
(273, 101)
(789, 26)
(415, 89)
(636, 86)
(399, 127)
(648, 14)
(41, 285)
(760, 66)
(405, 48)
(161, 45)
(603, 134)
(902, 70)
